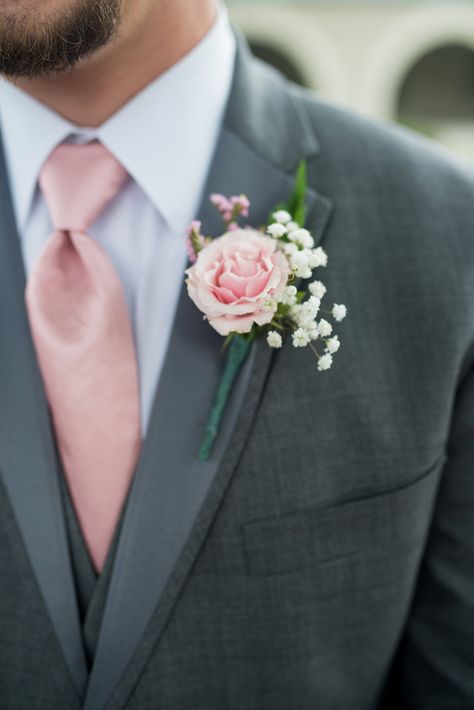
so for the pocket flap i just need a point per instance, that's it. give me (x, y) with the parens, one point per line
(306, 538)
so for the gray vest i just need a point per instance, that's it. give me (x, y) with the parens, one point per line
(91, 589)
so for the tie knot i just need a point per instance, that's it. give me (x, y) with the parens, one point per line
(78, 181)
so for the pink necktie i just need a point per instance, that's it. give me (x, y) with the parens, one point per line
(84, 343)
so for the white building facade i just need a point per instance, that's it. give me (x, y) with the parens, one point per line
(411, 61)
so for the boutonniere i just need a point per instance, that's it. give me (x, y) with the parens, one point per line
(248, 283)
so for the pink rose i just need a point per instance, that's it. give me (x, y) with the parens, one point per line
(234, 278)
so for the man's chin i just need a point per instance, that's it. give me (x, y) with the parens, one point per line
(51, 36)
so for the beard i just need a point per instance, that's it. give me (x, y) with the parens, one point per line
(32, 44)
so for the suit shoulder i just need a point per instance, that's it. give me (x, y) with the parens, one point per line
(378, 149)
(404, 210)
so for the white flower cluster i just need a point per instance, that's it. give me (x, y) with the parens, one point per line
(274, 339)
(297, 244)
(308, 326)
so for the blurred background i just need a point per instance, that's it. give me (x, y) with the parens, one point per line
(410, 61)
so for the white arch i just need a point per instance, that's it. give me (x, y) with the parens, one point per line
(290, 32)
(419, 31)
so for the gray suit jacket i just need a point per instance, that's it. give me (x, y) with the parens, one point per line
(324, 556)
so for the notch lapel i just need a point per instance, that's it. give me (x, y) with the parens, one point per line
(175, 497)
(28, 463)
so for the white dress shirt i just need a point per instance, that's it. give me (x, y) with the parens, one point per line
(165, 137)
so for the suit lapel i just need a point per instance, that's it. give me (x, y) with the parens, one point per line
(28, 461)
(175, 497)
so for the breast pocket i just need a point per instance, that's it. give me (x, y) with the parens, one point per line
(370, 526)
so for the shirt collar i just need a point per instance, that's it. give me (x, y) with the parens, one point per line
(165, 136)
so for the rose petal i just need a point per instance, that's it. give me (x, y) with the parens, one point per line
(234, 277)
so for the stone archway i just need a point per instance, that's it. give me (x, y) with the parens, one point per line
(440, 86)
(278, 59)
(418, 32)
(286, 35)
(437, 96)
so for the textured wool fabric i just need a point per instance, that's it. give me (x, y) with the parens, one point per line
(84, 341)
(329, 563)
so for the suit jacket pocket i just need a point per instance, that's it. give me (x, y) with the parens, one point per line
(378, 524)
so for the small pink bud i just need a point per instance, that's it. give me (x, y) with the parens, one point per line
(190, 251)
(220, 202)
(195, 226)
(195, 241)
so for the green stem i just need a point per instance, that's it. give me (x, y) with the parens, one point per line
(236, 354)
(314, 350)
(277, 325)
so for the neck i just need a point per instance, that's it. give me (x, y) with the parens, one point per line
(148, 43)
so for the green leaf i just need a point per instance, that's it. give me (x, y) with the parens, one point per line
(297, 203)
(282, 310)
